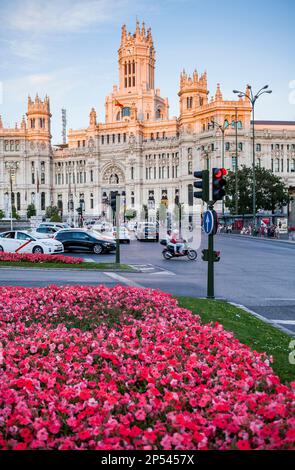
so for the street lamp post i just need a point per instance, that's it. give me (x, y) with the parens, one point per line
(222, 128)
(11, 167)
(253, 98)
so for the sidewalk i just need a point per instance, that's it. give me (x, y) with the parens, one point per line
(278, 240)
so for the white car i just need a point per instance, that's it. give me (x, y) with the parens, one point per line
(24, 242)
(124, 236)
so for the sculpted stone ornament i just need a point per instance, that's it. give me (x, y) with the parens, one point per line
(113, 175)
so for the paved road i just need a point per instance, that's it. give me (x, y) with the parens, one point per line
(259, 274)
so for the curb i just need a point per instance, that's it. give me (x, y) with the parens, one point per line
(102, 270)
(276, 240)
(264, 319)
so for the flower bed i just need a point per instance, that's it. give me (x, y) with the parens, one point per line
(126, 368)
(39, 258)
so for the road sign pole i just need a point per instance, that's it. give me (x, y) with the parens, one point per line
(117, 215)
(210, 273)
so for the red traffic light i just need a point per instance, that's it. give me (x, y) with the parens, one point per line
(220, 172)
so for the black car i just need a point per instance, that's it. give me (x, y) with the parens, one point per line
(75, 239)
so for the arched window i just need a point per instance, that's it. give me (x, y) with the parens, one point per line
(190, 195)
(158, 113)
(18, 201)
(125, 111)
(13, 199)
(240, 125)
(42, 201)
(190, 168)
(225, 124)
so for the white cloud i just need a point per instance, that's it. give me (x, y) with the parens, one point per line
(58, 16)
(26, 49)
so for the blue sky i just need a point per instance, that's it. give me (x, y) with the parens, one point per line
(68, 49)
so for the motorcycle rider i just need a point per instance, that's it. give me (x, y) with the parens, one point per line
(171, 241)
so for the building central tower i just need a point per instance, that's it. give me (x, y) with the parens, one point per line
(136, 97)
(136, 59)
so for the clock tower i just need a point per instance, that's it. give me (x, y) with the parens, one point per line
(136, 59)
(136, 98)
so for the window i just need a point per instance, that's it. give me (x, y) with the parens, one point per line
(125, 111)
(190, 168)
(282, 165)
(240, 125)
(11, 145)
(42, 178)
(124, 137)
(240, 147)
(6, 145)
(91, 176)
(272, 164)
(18, 201)
(293, 165)
(108, 139)
(227, 146)
(102, 139)
(32, 123)
(17, 145)
(119, 138)
(234, 163)
(189, 102)
(190, 195)
(33, 178)
(91, 201)
(277, 164)
(42, 201)
(114, 137)
(258, 147)
(78, 143)
(288, 165)
(225, 124)
(132, 173)
(83, 142)
(158, 113)
(118, 117)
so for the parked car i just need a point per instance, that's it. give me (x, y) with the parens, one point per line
(24, 242)
(58, 225)
(124, 236)
(47, 231)
(81, 239)
(147, 231)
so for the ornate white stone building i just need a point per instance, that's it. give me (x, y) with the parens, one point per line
(139, 149)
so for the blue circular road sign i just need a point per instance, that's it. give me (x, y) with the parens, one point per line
(208, 222)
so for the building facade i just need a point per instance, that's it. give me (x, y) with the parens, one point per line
(139, 150)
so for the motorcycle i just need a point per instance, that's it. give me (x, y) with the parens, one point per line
(169, 252)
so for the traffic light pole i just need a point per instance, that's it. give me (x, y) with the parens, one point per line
(117, 214)
(210, 273)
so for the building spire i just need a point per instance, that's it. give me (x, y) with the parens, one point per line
(123, 34)
(218, 94)
(1, 124)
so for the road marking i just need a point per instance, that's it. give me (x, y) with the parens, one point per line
(89, 260)
(280, 298)
(285, 322)
(122, 279)
(166, 273)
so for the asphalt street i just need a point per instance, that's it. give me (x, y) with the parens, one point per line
(257, 273)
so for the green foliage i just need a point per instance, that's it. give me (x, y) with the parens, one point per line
(1, 214)
(130, 214)
(14, 213)
(31, 210)
(271, 191)
(52, 213)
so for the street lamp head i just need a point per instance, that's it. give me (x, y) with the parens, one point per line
(265, 87)
(249, 86)
(240, 95)
(268, 91)
(236, 91)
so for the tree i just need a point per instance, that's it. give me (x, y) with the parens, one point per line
(52, 213)
(271, 191)
(14, 213)
(31, 210)
(130, 214)
(1, 214)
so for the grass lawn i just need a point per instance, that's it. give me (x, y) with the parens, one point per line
(85, 265)
(248, 329)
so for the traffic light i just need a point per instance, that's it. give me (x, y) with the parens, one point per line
(79, 210)
(206, 256)
(113, 200)
(218, 183)
(203, 185)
